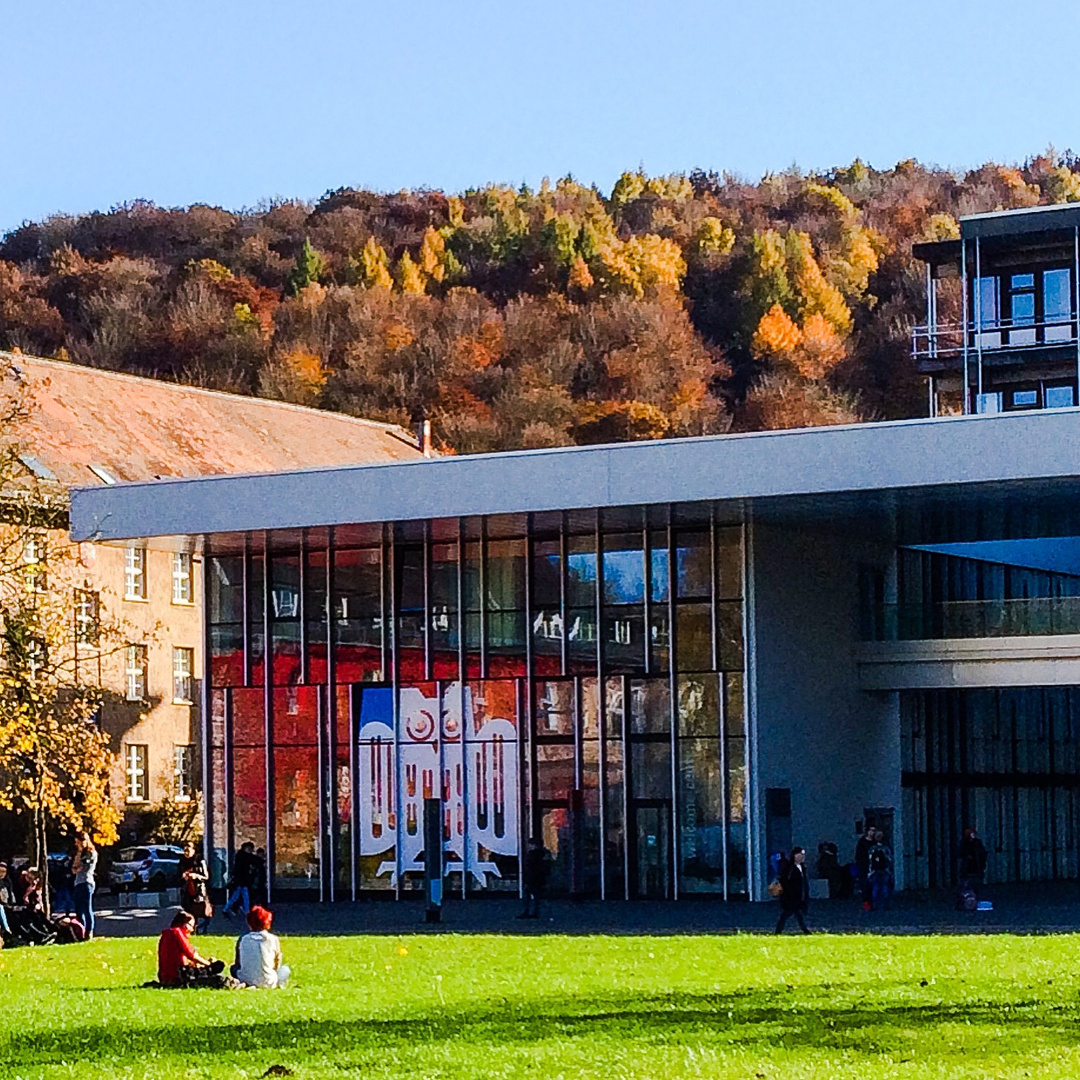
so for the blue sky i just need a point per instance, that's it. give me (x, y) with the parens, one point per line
(226, 102)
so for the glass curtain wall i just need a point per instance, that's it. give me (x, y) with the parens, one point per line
(1002, 760)
(573, 676)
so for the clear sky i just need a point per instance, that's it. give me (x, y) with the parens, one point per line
(230, 102)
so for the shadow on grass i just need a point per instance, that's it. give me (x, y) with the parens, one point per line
(759, 1018)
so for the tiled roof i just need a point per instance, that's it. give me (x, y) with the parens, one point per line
(86, 425)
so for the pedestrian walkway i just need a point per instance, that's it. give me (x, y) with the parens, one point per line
(1032, 909)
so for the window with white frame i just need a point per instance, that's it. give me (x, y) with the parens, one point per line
(136, 672)
(183, 660)
(181, 577)
(183, 773)
(87, 616)
(136, 772)
(135, 573)
(35, 552)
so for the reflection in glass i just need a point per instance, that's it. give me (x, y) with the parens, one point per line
(358, 620)
(693, 564)
(701, 816)
(650, 707)
(650, 770)
(624, 569)
(693, 637)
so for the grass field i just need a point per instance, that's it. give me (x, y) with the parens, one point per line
(560, 1007)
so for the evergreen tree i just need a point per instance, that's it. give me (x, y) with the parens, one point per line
(309, 268)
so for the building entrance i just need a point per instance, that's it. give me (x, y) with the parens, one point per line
(1004, 761)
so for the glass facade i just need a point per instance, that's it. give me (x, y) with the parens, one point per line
(1004, 760)
(576, 676)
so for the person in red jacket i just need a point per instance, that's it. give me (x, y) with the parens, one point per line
(178, 962)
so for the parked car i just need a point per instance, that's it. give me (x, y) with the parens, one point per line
(155, 867)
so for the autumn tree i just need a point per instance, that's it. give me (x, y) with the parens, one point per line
(55, 761)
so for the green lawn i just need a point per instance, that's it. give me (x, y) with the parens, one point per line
(551, 1007)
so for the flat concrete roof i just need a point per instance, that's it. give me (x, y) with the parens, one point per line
(757, 468)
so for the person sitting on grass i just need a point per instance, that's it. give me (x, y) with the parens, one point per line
(178, 962)
(258, 954)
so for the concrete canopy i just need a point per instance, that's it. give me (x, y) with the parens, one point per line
(756, 469)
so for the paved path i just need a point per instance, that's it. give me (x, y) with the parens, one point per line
(1026, 910)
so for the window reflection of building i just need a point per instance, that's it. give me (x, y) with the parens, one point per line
(521, 670)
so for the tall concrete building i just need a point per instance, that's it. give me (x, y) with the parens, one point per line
(87, 426)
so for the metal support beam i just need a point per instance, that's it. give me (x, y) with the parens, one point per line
(966, 392)
(978, 316)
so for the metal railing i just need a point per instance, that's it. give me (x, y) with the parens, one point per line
(1027, 617)
(946, 340)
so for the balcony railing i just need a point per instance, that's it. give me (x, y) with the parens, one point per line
(973, 619)
(943, 341)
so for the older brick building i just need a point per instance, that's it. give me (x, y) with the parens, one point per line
(87, 426)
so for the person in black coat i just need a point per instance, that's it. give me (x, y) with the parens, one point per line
(862, 863)
(534, 877)
(795, 898)
(970, 861)
(194, 883)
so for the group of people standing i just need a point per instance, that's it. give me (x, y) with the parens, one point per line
(872, 869)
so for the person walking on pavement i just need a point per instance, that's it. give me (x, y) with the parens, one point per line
(795, 898)
(245, 865)
(862, 864)
(970, 861)
(534, 878)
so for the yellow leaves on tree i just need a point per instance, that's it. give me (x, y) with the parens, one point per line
(620, 421)
(941, 227)
(374, 266)
(815, 294)
(296, 375)
(712, 240)
(409, 276)
(432, 257)
(580, 281)
(777, 335)
(640, 266)
(55, 761)
(809, 351)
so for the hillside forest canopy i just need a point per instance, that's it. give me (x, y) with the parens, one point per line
(511, 317)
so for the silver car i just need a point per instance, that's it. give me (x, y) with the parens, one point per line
(154, 867)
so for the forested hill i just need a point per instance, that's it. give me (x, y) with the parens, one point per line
(674, 305)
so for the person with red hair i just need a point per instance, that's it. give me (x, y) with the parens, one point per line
(258, 954)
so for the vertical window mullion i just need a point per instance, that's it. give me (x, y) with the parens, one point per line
(673, 704)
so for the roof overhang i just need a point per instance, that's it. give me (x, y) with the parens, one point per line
(807, 464)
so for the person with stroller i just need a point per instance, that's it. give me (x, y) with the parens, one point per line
(970, 867)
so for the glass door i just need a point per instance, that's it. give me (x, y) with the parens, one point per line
(651, 877)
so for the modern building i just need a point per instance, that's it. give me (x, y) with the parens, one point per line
(1001, 314)
(88, 426)
(667, 659)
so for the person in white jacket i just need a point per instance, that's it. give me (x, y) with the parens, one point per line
(258, 954)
